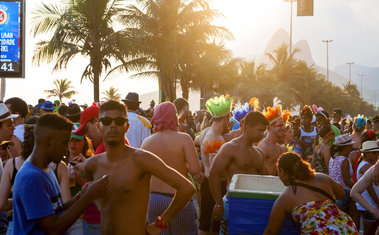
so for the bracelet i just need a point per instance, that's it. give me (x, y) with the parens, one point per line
(159, 223)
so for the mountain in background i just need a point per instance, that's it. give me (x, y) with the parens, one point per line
(339, 76)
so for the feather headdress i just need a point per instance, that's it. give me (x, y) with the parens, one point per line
(254, 103)
(239, 114)
(286, 116)
(272, 114)
(219, 106)
(360, 122)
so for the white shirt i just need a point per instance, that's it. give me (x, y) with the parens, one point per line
(138, 129)
(19, 131)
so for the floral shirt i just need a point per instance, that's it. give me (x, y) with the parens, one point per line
(323, 217)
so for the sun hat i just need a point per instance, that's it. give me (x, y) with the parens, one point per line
(5, 114)
(370, 146)
(76, 127)
(343, 140)
(57, 102)
(73, 110)
(47, 106)
(87, 115)
(132, 97)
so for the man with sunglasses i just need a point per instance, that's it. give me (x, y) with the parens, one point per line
(271, 145)
(124, 207)
(89, 125)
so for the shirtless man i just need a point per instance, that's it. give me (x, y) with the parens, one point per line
(237, 157)
(124, 207)
(211, 142)
(271, 146)
(176, 149)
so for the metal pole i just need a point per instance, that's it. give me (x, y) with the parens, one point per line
(375, 97)
(327, 57)
(361, 75)
(291, 30)
(2, 89)
(350, 63)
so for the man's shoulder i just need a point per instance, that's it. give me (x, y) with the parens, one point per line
(211, 136)
(263, 144)
(28, 175)
(141, 155)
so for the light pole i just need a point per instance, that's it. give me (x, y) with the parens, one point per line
(350, 63)
(375, 97)
(361, 75)
(290, 46)
(327, 57)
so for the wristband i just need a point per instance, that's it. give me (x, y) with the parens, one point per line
(159, 223)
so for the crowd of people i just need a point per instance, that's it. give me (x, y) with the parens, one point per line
(114, 168)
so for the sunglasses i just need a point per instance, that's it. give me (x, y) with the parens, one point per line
(106, 121)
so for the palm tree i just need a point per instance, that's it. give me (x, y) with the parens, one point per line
(63, 89)
(173, 31)
(80, 27)
(111, 94)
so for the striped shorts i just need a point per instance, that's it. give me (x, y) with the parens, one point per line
(182, 224)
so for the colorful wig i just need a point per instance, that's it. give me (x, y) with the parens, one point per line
(219, 106)
(273, 114)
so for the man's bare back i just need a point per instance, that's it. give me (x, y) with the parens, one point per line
(208, 140)
(177, 150)
(271, 152)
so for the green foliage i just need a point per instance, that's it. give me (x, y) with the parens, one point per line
(296, 83)
(80, 27)
(63, 89)
(175, 35)
(111, 94)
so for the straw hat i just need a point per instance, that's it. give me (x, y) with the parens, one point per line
(5, 114)
(370, 146)
(343, 140)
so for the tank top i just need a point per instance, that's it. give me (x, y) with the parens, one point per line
(307, 140)
(365, 194)
(335, 170)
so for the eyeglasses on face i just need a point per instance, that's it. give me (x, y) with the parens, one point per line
(106, 121)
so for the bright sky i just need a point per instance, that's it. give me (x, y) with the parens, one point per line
(352, 24)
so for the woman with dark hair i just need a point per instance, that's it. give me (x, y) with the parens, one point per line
(309, 198)
(321, 155)
(80, 149)
(13, 166)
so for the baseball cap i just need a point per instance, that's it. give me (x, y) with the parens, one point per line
(87, 115)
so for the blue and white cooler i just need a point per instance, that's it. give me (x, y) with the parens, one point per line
(251, 198)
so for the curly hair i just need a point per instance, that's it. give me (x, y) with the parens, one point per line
(306, 111)
(295, 167)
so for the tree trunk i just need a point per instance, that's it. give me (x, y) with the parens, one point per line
(96, 86)
(185, 89)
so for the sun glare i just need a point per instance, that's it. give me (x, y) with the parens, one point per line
(236, 12)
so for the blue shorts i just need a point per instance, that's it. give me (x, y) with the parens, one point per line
(183, 223)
